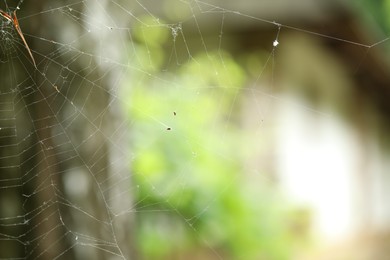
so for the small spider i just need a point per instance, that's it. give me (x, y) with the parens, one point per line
(14, 20)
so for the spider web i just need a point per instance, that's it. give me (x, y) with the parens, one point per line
(126, 141)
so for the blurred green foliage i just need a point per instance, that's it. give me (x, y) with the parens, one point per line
(376, 13)
(193, 193)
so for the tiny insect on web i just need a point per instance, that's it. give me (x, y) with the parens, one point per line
(14, 20)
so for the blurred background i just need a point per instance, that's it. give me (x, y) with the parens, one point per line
(213, 129)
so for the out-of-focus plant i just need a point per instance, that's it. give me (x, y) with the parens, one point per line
(376, 12)
(192, 194)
